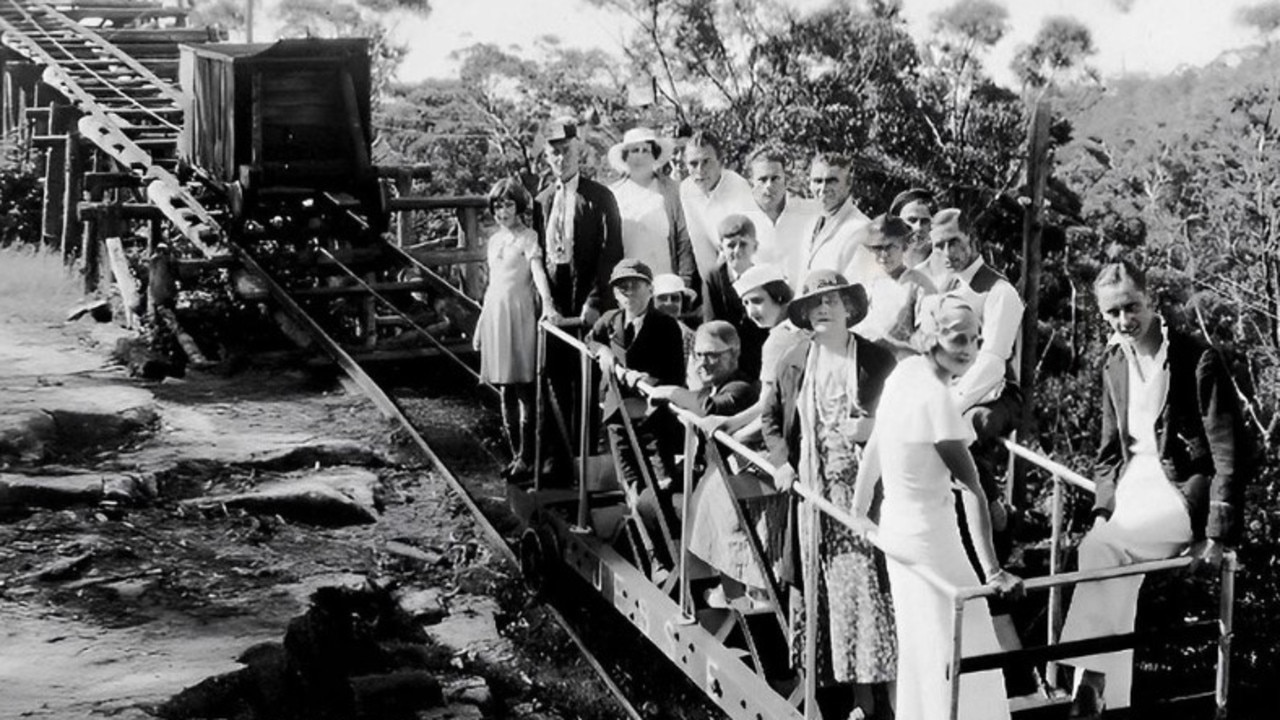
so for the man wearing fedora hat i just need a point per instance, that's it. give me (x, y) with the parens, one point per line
(710, 193)
(653, 223)
(577, 220)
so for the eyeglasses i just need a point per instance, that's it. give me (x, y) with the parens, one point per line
(705, 355)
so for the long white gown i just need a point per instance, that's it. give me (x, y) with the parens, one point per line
(918, 523)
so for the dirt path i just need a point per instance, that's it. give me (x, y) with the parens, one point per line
(143, 555)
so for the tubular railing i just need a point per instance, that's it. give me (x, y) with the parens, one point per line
(815, 504)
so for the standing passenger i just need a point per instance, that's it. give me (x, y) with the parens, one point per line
(653, 225)
(672, 297)
(737, 254)
(833, 241)
(1169, 470)
(896, 292)
(781, 219)
(582, 233)
(919, 444)
(506, 331)
(818, 414)
(709, 194)
(915, 208)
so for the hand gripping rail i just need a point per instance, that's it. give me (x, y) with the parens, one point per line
(959, 596)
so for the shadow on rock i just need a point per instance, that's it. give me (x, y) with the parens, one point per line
(353, 655)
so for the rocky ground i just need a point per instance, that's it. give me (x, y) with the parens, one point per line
(157, 538)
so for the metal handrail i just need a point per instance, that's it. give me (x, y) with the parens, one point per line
(959, 596)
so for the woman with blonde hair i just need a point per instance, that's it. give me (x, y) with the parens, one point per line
(919, 444)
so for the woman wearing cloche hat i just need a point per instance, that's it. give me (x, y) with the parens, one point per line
(653, 224)
(820, 412)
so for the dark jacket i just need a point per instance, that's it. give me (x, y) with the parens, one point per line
(781, 418)
(657, 350)
(1204, 446)
(722, 303)
(597, 247)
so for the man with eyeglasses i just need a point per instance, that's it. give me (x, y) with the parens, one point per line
(894, 295)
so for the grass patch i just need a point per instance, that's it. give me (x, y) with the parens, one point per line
(35, 286)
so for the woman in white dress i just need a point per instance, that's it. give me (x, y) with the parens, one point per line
(919, 444)
(506, 333)
(653, 224)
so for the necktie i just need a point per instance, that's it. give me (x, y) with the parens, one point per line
(629, 334)
(557, 230)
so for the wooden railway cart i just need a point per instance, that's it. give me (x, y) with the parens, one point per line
(290, 118)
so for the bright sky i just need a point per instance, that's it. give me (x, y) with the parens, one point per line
(1153, 36)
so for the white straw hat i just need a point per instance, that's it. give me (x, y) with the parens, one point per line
(640, 136)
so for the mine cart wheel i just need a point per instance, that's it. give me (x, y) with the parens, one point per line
(539, 558)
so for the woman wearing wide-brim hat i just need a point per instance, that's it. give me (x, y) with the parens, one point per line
(653, 224)
(820, 411)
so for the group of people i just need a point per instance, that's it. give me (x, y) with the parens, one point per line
(872, 358)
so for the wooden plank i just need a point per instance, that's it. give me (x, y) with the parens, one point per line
(443, 202)
(125, 281)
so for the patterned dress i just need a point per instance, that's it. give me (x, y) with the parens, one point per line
(857, 642)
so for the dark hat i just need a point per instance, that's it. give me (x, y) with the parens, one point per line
(735, 225)
(819, 283)
(561, 128)
(887, 226)
(906, 197)
(628, 268)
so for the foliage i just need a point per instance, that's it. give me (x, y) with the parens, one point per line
(37, 285)
(1061, 44)
(1263, 17)
(21, 199)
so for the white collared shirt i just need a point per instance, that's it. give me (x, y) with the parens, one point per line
(1000, 316)
(703, 212)
(833, 241)
(560, 224)
(1148, 390)
(781, 242)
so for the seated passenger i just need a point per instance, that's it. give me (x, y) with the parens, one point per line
(725, 390)
(1170, 472)
(765, 296)
(895, 294)
(671, 297)
(646, 345)
(721, 302)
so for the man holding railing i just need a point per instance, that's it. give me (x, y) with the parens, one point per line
(1168, 472)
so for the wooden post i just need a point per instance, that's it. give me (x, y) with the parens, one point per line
(124, 280)
(473, 280)
(73, 192)
(1038, 163)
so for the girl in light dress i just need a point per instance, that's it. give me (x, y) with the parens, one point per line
(506, 333)
(919, 444)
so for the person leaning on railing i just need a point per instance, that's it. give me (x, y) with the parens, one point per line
(1170, 471)
(819, 412)
(920, 442)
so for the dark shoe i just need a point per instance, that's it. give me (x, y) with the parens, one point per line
(1087, 703)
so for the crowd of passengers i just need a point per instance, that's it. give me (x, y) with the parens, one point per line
(873, 358)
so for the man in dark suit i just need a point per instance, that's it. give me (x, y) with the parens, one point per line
(642, 346)
(1170, 472)
(578, 224)
(737, 254)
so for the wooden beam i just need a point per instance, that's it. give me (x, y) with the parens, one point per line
(405, 204)
(1038, 165)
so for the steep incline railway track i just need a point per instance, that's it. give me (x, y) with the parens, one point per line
(131, 110)
(128, 110)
